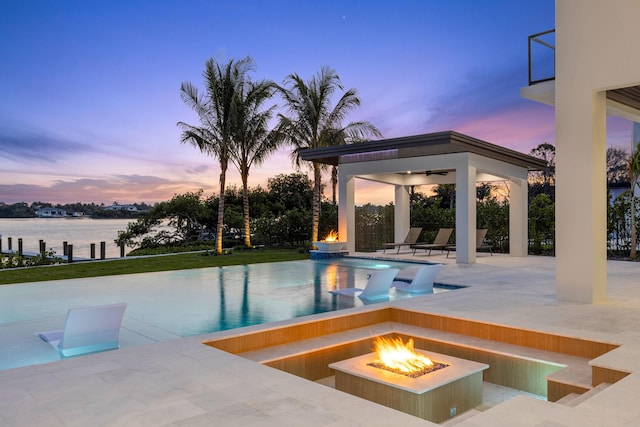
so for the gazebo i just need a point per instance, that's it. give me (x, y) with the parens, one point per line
(435, 158)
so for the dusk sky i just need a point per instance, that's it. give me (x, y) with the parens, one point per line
(90, 90)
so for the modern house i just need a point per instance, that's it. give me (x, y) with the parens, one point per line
(597, 73)
(117, 207)
(50, 212)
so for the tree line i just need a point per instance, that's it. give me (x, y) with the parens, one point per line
(623, 179)
(280, 216)
(282, 213)
(93, 210)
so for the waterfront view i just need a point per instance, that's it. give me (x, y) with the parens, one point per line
(54, 231)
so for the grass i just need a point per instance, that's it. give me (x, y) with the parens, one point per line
(145, 265)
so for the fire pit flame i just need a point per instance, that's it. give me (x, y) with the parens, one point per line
(331, 237)
(394, 354)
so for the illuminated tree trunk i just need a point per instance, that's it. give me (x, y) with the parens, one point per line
(245, 202)
(223, 176)
(317, 186)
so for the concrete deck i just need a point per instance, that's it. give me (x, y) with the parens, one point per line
(182, 382)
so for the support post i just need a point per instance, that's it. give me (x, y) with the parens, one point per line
(402, 215)
(347, 211)
(518, 218)
(466, 214)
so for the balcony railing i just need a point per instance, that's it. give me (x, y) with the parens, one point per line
(542, 57)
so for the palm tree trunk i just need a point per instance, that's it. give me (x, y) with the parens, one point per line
(245, 202)
(317, 185)
(334, 181)
(223, 176)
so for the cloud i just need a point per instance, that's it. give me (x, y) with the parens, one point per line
(198, 170)
(32, 147)
(120, 188)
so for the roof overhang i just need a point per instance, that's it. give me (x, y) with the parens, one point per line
(623, 102)
(431, 144)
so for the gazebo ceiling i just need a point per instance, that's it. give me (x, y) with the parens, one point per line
(419, 146)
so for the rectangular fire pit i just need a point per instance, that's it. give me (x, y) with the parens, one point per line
(436, 396)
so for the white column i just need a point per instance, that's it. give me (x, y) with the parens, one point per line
(466, 214)
(402, 215)
(347, 211)
(518, 217)
(581, 195)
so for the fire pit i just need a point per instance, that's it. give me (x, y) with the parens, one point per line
(436, 395)
(330, 247)
(396, 356)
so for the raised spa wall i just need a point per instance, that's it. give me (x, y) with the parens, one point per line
(536, 362)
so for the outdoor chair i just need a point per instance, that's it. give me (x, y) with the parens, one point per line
(422, 281)
(412, 238)
(377, 286)
(440, 242)
(480, 244)
(87, 330)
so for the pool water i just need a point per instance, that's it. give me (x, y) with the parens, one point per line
(169, 305)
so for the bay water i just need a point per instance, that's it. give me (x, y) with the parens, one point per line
(79, 232)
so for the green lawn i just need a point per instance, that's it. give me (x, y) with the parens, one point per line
(145, 265)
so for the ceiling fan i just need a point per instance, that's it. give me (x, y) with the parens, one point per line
(442, 173)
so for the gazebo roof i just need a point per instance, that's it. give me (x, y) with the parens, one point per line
(430, 144)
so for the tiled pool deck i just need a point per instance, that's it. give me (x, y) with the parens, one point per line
(182, 382)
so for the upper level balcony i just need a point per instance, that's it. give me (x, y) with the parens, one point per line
(623, 102)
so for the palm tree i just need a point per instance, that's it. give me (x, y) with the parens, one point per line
(312, 123)
(216, 109)
(253, 142)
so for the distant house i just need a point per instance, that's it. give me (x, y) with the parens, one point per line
(117, 207)
(51, 213)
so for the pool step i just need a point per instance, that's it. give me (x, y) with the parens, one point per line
(574, 399)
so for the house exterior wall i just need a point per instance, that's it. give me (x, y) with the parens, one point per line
(596, 50)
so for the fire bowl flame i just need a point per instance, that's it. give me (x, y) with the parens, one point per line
(330, 243)
(399, 357)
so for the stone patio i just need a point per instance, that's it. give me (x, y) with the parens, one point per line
(182, 382)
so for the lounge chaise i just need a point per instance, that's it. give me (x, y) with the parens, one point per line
(87, 330)
(422, 281)
(480, 244)
(440, 242)
(377, 286)
(412, 238)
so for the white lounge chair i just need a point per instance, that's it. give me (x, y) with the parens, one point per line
(87, 330)
(412, 238)
(480, 235)
(440, 242)
(377, 286)
(422, 281)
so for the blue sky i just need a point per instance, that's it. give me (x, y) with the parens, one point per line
(89, 90)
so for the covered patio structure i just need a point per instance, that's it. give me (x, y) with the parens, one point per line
(435, 158)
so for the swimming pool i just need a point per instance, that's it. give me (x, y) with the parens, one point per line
(169, 305)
